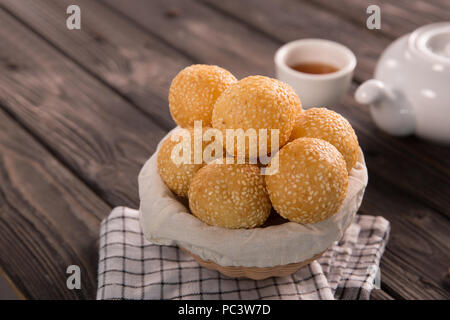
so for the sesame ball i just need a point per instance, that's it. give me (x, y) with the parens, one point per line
(311, 183)
(328, 125)
(178, 176)
(257, 102)
(194, 91)
(229, 195)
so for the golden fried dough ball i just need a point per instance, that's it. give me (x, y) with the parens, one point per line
(194, 91)
(177, 176)
(229, 195)
(311, 183)
(257, 102)
(328, 125)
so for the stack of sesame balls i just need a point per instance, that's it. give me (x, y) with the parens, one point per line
(317, 150)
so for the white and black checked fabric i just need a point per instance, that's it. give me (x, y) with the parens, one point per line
(130, 267)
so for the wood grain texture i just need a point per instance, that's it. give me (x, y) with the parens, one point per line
(295, 19)
(378, 294)
(104, 139)
(287, 20)
(418, 251)
(390, 158)
(407, 153)
(416, 166)
(48, 219)
(91, 129)
(203, 35)
(397, 17)
(124, 57)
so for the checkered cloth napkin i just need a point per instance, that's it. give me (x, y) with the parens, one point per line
(130, 267)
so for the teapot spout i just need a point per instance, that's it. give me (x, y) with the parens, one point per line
(390, 111)
(371, 91)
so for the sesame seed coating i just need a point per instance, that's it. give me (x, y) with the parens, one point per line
(194, 91)
(257, 102)
(330, 126)
(229, 196)
(178, 177)
(311, 183)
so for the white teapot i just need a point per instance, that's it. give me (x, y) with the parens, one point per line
(410, 92)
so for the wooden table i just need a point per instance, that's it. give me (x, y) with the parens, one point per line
(81, 110)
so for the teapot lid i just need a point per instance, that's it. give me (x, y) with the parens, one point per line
(432, 42)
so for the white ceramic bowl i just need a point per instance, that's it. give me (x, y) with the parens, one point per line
(316, 90)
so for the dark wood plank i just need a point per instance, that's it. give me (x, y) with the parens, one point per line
(95, 49)
(437, 5)
(208, 38)
(88, 126)
(411, 164)
(388, 155)
(378, 294)
(288, 20)
(429, 157)
(48, 219)
(203, 35)
(408, 153)
(397, 17)
(418, 252)
(432, 163)
(137, 65)
(206, 15)
(17, 295)
(342, 21)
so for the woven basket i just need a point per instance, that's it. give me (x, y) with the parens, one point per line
(166, 220)
(254, 273)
